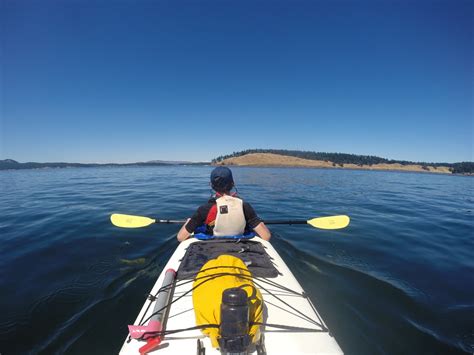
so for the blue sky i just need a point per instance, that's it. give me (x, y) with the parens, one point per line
(123, 81)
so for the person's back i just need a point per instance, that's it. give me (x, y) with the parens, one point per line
(225, 214)
(230, 217)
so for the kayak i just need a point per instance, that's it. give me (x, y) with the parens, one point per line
(288, 322)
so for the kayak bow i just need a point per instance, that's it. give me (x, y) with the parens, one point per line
(290, 323)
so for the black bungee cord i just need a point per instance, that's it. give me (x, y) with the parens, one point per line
(242, 276)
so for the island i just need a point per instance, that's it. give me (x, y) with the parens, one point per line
(296, 158)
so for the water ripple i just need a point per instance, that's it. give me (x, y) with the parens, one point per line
(402, 269)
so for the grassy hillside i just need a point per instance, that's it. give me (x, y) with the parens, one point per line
(276, 157)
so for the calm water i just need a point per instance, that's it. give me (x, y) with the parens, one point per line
(398, 280)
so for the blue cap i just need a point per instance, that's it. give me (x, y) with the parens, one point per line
(221, 179)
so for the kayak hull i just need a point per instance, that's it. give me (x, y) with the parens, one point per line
(276, 341)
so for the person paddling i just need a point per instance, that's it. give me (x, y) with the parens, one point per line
(224, 214)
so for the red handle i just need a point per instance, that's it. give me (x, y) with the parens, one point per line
(150, 345)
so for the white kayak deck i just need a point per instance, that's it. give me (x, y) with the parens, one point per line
(276, 341)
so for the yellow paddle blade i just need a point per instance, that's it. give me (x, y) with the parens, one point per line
(128, 221)
(332, 222)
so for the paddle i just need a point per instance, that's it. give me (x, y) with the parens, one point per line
(129, 221)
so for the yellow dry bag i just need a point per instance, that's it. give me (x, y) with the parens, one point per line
(216, 276)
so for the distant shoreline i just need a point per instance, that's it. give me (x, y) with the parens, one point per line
(9, 164)
(270, 160)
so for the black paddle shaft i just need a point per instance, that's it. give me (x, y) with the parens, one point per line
(294, 221)
(170, 221)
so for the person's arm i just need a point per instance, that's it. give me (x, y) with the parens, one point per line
(192, 223)
(183, 233)
(262, 231)
(255, 222)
